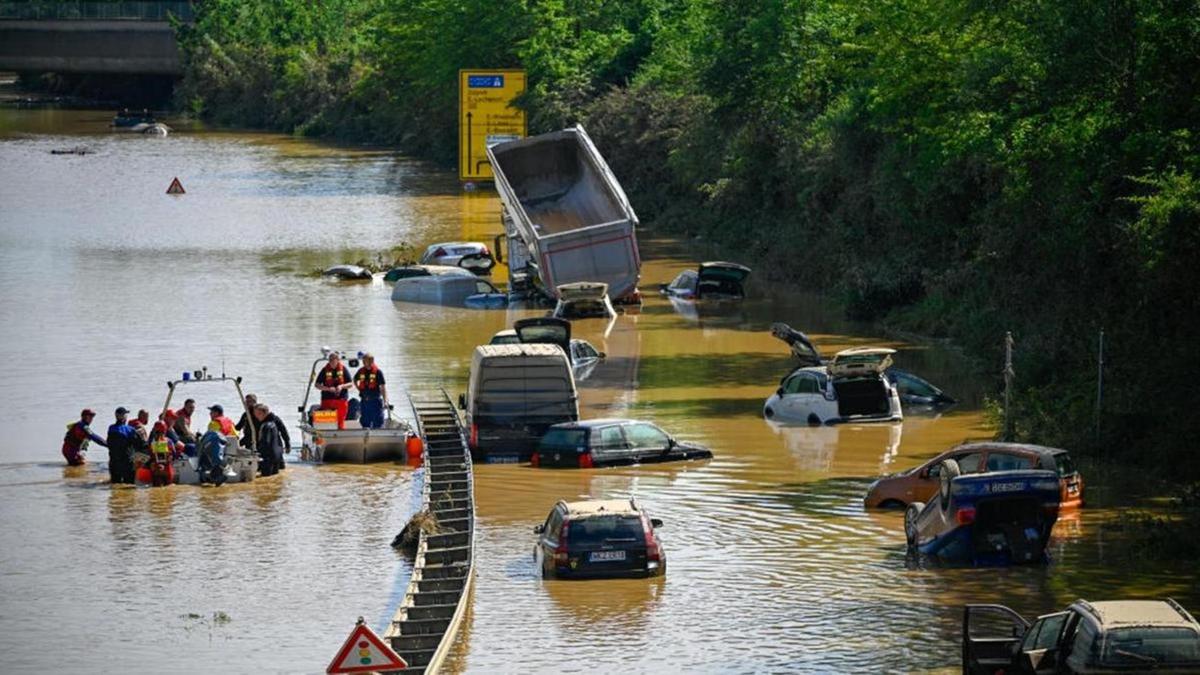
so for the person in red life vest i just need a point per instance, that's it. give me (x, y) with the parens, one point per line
(334, 384)
(161, 451)
(220, 422)
(372, 389)
(168, 419)
(79, 434)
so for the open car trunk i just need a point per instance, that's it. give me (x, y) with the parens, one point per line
(862, 396)
(545, 330)
(721, 280)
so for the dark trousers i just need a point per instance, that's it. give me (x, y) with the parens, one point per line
(371, 416)
(120, 467)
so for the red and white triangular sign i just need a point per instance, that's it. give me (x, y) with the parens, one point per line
(364, 652)
(176, 187)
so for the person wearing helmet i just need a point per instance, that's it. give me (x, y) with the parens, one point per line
(79, 434)
(161, 451)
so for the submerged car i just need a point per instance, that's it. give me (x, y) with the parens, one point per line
(712, 281)
(611, 442)
(468, 255)
(997, 518)
(405, 271)
(851, 388)
(449, 286)
(549, 330)
(583, 300)
(1115, 636)
(920, 484)
(347, 273)
(599, 538)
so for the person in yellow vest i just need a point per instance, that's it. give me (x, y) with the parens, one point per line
(334, 384)
(162, 472)
(372, 389)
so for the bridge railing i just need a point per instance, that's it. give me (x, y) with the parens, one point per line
(45, 10)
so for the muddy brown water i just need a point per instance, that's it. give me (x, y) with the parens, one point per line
(109, 288)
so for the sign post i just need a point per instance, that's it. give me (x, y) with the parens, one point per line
(486, 117)
(364, 652)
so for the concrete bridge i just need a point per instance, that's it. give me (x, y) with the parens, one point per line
(91, 37)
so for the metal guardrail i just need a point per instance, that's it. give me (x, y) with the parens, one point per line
(82, 10)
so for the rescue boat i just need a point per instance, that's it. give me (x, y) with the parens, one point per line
(323, 441)
(219, 459)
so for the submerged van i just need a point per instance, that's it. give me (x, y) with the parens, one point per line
(450, 286)
(514, 394)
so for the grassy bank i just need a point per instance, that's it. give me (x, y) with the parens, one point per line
(953, 168)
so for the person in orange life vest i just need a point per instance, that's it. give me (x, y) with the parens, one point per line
(161, 452)
(78, 435)
(372, 389)
(220, 422)
(334, 383)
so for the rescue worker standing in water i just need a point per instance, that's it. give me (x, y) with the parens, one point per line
(79, 434)
(372, 389)
(122, 441)
(334, 383)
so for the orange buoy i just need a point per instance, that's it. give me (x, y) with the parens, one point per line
(415, 449)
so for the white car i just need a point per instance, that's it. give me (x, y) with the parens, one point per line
(583, 356)
(851, 388)
(468, 255)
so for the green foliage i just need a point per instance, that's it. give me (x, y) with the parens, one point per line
(959, 167)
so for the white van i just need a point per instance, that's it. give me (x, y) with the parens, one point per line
(451, 286)
(515, 393)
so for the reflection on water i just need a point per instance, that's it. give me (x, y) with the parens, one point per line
(111, 288)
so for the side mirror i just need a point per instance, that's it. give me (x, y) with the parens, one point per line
(462, 401)
(539, 529)
(603, 355)
(655, 523)
(671, 442)
(779, 391)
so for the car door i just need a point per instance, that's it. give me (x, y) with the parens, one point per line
(990, 635)
(1039, 649)
(646, 440)
(609, 445)
(801, 395)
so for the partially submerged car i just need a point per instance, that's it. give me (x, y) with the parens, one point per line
(599, 538)
(920, 484)
(405, 271)
(348, 273)
(469, 255)
(611, 442)
(449, 286)
(1115, 636)
(851, 388)
(997, 518)
(583, 300)
(712, 281)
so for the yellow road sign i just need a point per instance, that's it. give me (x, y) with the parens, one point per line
(485, 117)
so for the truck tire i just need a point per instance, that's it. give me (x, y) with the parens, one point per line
(950, 471)
(910, 523)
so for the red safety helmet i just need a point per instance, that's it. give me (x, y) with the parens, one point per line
(87, 412)
(160, 426)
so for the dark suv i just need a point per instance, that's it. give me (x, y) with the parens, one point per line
(1089, 637)
(599, 538)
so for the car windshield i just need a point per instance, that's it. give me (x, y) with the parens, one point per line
(606, 529)
(564, 438)
(1151, 645)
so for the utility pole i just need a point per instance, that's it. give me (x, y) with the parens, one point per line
(1008, 379)
(1099, 383)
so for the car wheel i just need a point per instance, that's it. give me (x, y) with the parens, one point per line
(910, 523)
(950, 471)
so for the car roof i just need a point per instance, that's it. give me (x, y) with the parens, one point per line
(1126, 613)
(1014, 448)
(521, 349)
(600, 507)
(592, 424)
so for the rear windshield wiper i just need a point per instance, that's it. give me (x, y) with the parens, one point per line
(1140, 657)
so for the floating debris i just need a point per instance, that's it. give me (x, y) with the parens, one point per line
(77, 150)
(410, 536)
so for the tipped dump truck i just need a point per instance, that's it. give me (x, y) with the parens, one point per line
(565, 215)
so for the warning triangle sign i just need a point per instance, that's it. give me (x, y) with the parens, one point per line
(364, 652)
(176, 187)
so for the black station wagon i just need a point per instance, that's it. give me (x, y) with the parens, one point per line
(611, 442)
(599, 538)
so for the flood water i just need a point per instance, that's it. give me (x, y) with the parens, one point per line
(110, 288)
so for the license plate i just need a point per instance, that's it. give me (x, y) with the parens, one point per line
(606, 556)
(1072, 489)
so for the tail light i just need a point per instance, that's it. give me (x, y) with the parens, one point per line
(439, 253)
(560, 551)
(474, 439)
(585, 461)
(965, 516)
(535, 459)
(652, 552)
